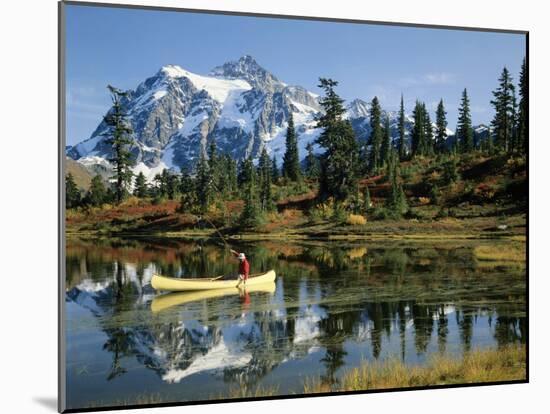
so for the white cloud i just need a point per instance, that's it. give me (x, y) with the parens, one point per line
(439, 78)
(432, 78)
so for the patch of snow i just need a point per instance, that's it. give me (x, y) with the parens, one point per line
(218, 358)
(149, 172)
(217, 88)
(94, 160)
(168, 155)
(89, 285)
(232, 116)
(159, 94)
(307, 326)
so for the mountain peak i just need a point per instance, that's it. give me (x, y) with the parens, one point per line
(172, 71)
(247, 68)
(358, 109)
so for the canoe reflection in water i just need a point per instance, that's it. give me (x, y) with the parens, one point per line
(169, 300)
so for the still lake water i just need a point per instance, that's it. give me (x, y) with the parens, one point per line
(333, 305)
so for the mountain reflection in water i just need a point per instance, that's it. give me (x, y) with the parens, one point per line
(332, 306)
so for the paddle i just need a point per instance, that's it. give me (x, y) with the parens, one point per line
(216, 278)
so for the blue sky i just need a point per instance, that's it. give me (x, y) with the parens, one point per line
(123, 47)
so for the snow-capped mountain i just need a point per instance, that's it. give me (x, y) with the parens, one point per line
(175, 113)
(239, 105)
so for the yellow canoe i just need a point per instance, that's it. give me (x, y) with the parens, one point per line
(175, 284)
(163, 302)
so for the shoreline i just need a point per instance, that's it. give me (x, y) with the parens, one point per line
(298, 236)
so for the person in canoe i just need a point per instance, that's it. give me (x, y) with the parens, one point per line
(244, 267)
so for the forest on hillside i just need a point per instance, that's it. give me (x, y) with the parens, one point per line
(426, 177)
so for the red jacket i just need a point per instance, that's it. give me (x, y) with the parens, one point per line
(244, 268)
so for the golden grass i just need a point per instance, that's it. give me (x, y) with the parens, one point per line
(140, 399)
(504, 364)
(244, 391)
(356, 220)
(501, 253)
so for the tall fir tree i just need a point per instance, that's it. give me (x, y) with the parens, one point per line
(312, 163)
(161, 182)
(385, 150)
(465, 133)
(418, 135)
(188, 199)
(515, 146)
(119, 136)
(227, 170)
(213, 164)
(396, 203)
(429, 132)
(203, 186)
(250, 216)
(72, 193)
(265, 176)
(440, 128)
(376, 136)
(339, 161)
(490, 148)
(291, 160)
(275, 170)
(172, 185)
(503, 123)
(402, 148)
(140, 186)
(523, 114)
(246, 171)
(97, 194)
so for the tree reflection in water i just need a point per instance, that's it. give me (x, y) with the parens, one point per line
(331, 301)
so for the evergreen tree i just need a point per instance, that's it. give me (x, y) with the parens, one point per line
(291, 160)
(339, 161)
(376, 136)
(246, 172)
(214, 167)
(97, 194)
(72, 193)
(440, 128)
(203, 184)
(161, 182)
(386, 147)
(275, 170)
(516, 145)
(523, 115)
(172, 185)
(140, 186)
(429, 133)
(119, 132)
(465, 133)
(397, 201)
(401, 127)
(250, 216)
(504, 121)
(226, 175)
(312, 163)
(450, 172)
(264, 170)
(232, 179)
(188, 200)
(489, 142)
(418, 135)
